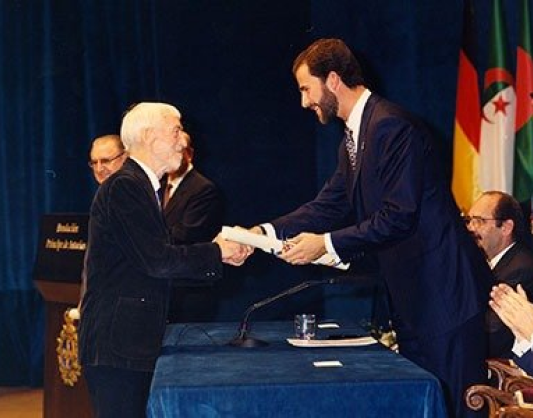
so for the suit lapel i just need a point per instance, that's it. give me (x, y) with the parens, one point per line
(131, 165)
(137, 170)
(361, 140)
(506, 259)
(181, 192)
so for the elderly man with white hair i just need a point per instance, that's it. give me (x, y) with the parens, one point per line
(131, 264)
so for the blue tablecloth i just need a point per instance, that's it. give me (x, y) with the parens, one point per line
(199, 376)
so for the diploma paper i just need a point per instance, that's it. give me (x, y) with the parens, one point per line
(271, 245)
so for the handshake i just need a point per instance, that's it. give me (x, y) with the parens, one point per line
(237, 244)
(233, 252)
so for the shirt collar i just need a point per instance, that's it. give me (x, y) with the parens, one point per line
(176, 182)
(354, 120)
(496, 259)
(149, 172)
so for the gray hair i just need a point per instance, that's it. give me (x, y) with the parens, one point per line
(143, 116)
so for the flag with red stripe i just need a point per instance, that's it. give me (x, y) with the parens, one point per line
(465, 184)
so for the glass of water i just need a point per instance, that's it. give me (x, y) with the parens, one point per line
(305, 326)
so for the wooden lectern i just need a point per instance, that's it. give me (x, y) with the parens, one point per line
(57, 275)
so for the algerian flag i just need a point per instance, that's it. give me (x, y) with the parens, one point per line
(496, 154)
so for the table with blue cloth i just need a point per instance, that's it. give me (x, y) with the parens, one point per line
(199, 376)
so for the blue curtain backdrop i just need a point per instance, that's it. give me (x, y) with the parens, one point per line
(69, 69)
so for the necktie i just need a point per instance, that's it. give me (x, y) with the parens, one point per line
(159, 196)
(166, 196)
(350, 147)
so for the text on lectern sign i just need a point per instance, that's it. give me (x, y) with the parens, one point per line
(62, 245)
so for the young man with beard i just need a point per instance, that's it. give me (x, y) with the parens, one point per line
(389, 196)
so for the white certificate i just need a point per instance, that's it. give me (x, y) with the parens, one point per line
(272, 245)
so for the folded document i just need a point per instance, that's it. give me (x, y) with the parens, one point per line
(272, 245)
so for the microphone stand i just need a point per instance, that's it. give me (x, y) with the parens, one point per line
(242, 339)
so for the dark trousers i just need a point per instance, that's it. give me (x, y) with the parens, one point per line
(457, 358)
(117, 393)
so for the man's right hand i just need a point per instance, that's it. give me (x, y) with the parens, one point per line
(514, 309)
(233, 253)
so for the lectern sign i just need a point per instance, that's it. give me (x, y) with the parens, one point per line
(62, 245)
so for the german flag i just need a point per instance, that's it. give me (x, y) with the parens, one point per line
(465, 183)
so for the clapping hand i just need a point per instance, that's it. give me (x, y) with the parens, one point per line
(514, 309)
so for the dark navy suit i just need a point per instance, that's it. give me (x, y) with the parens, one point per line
(398, 206)
(130, 266)
(516, 266)
(525, 362)
(193, 214)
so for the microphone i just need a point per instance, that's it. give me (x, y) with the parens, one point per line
(243, 340)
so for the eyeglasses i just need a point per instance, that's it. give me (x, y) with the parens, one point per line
(479, 220)
(104, 161)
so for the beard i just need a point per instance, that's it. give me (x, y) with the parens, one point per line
(171, 161)
(328, 105)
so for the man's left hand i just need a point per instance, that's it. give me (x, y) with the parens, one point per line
(304, 248)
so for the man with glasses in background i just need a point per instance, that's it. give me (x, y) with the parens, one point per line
(497, 223)
(107, 156)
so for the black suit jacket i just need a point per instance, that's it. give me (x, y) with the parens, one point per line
(193, 214)
(195, 211)
(516, 266)
(397, 204)
(129, 269)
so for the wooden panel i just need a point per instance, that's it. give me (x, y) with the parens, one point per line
(60, 401)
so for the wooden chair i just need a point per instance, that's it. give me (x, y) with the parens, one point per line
(480, 396)
(514, 412)
(502, 369)
(511, 395)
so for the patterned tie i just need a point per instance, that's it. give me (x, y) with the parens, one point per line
(350, 147)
